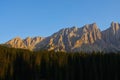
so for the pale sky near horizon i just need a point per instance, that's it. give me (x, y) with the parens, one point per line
(44, 17)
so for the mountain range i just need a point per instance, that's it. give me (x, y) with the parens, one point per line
(88, 38)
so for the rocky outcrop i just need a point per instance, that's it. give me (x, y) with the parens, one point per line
(31, 42)
(74, 39)
(90, 39)
(28, 43)
(87, 38)
(111, 36)
(16, 43)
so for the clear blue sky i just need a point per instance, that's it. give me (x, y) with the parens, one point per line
(43, 17)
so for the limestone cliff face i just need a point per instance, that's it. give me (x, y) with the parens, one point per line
(73, 39)
(90, 39)
(90, 34)
(87, 38)
(111, 36)
(28, 43)
(16, 43)
(31, 42)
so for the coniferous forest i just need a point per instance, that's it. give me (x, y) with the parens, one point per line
(20, 64)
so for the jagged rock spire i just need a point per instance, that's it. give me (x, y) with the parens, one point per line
(87, 38)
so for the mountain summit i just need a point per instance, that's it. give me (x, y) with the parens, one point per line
(87, 38)
(28, 43)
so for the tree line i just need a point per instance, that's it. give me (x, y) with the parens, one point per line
(21, 64)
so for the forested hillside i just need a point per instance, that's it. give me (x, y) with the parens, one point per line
(20, 64)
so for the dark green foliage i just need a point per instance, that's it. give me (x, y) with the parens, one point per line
(20, 64)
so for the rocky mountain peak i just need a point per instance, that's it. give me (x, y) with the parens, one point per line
(115, 27)
(68, 39)
(111, 36)
(28, 38)
(90, 27)
(113, 30)
(31, 42)
(16, 43)
(87, 38)
(17, 38)
(27, 43)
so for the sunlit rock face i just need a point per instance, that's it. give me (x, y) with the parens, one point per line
(88, 38)
(111, 36)
(31, 42)
(28, 43)
(16, 43)
(74, 39)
